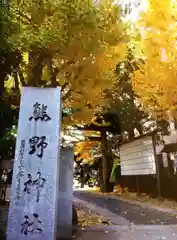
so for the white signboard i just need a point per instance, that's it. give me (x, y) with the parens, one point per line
(33, 213)
(137, 157)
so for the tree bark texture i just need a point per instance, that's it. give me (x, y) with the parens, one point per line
(106, 164)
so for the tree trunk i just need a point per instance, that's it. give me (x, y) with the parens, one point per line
(106, 164)
(35, 68)
(100, 174)
(53, 73)
(82, 176)
(139, 128)
(131, 134)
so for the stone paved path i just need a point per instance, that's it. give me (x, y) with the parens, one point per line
(138, 222)
(133, 213)
(107, 233)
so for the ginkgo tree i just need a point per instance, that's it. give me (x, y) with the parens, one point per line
(73, 44)
(156, 79)
(84, 150)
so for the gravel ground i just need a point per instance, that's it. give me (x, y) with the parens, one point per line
(132, 212)
(86, 217)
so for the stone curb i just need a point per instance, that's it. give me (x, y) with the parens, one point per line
(115, 228)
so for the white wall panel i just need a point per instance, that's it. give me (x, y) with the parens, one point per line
(137, 157)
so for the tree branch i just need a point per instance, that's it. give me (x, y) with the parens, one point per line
(64, 86)
(15, 76)
(67, 95)
(27, 18)
(22, 79)
(92, 127)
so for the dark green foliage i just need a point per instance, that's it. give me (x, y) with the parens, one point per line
(9, 62)
(7, 147)
(123, 100)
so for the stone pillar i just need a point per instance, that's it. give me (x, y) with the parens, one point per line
(34, 194)
(65, 195)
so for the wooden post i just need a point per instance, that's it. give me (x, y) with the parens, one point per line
(157, 166)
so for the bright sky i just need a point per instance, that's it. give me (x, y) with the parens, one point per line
(136, 9)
